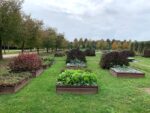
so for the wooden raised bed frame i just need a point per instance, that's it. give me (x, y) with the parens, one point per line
(37, 72)
(125, 74)
(45, 66)
(8, 89)
(77, 89)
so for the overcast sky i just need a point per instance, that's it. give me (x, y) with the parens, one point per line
(94, 19)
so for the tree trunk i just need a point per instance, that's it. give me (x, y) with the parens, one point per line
(38, 51)
(1, 54)
(47, 50)
(4, 48)
(22, 47)
(8, 47)
(30, 49)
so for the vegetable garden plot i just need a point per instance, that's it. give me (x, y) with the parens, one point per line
(47, 62)
(12, 83)
(77, 81)
(76, 63)
(76, 59)
(126, 72)
(131, 59)
(36, 73)
(77, 89)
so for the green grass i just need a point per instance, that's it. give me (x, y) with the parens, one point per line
(142, 63)
(116, 95)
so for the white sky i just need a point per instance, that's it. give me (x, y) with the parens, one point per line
(94, 19)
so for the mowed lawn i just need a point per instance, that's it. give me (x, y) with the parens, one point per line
(116, 95)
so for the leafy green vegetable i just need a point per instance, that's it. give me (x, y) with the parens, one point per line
(77, 78)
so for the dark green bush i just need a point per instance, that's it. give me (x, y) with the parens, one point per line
(89, 52)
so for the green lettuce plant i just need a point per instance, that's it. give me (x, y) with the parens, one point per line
(77, 78)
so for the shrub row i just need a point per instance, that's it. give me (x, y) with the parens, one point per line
(146, 53)
(75, 54)
(111, 59)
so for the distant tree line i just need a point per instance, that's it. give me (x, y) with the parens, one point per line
(100, 44)
(19, 30)
(139, 47)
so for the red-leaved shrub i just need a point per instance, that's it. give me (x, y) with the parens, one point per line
(111, 59)
(25, 62)
(128, 53)
(75, 54)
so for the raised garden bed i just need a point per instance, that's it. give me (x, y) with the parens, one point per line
(36, 73)
(76, 64)
(47, 62)
(77, 81)
(131, 59)
(84, 69)
(126, 72)
(77, 89)
(10, 84)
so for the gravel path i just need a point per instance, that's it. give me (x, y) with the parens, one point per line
(10, 55)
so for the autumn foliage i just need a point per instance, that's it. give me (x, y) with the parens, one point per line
(25, 62)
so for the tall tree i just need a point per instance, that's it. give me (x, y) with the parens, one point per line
(10, 18)
(59, 40)
(24, 33)
(76, 44)
(85, 43)
(125, 45)
(81, 43)
(109, 43)
(49, 39)
(114, 45)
